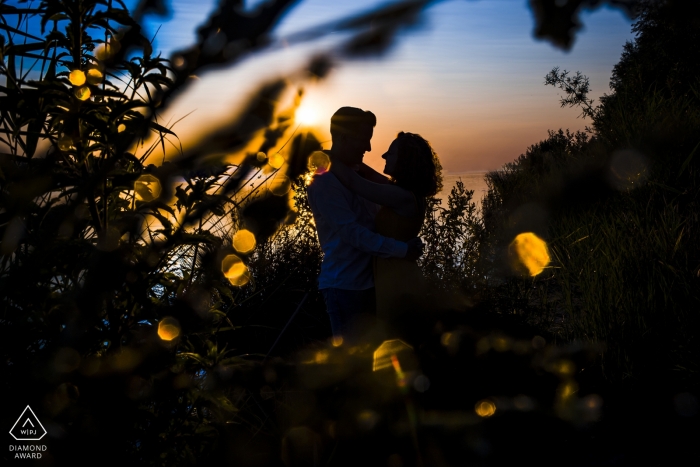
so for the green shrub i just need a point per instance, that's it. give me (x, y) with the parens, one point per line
(619, 212)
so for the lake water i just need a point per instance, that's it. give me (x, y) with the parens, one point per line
(472, 181)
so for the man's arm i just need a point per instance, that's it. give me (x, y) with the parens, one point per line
(400, 200)
(328, 202)
(372, 175)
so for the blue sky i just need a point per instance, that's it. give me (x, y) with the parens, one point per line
(469, 78)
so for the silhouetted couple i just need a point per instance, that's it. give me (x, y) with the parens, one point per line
(368, 226)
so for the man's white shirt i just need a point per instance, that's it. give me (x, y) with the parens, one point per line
(345, 225)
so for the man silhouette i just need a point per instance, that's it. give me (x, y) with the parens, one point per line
(345, 224)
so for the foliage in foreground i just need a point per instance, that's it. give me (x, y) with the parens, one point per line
(618, 209)
(118, 322)
(120, 327)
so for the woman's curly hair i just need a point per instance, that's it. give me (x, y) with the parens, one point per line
(418, 168)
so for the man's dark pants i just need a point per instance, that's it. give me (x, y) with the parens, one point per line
(350, 311)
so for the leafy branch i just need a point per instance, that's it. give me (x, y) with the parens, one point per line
(576, 89)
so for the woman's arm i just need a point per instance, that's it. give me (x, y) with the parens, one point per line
(398, 199)
(372, 175)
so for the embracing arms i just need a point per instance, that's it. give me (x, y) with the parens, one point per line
(333, 214)
(377, 189)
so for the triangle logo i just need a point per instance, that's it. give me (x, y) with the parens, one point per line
(28, 427)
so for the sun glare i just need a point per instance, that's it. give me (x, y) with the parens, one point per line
(306, 116)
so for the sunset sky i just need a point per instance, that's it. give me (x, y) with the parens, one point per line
(469, 78)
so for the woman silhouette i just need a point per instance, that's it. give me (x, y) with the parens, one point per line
(414, 175)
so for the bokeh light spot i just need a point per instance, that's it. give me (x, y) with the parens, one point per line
(538, 342)
(261, 157)
(106, 50)
(65, 143)
(567, 389)
(280, 185)
(421, 383)
(83, 93)
(383, 354)
(147, 187)
(530, 252)
(168, 328)
(94, 76)
(501, 344)
(565, 367)
(593, 402)
(446, 338)
(628, 169)
(337, 341)
(244, 241)
(276, 160)
(321, 357)
(77, 77)
(127, 359)
(235, 270)
(367, 419)
(319, 162)
(485, 408)
(179, 61)
(121, 127)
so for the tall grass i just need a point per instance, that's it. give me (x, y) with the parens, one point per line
(623, 236)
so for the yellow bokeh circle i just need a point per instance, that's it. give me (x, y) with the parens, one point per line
(147, 187)
(529, 252)
(319, 162)
(244, 241)
(485, 408)
(168, 329)
(94, 76)
(104, 51)
(77, 77)
(83, 93)
(280, 185)
(235, 270)
(65, 143)
(276, 160)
